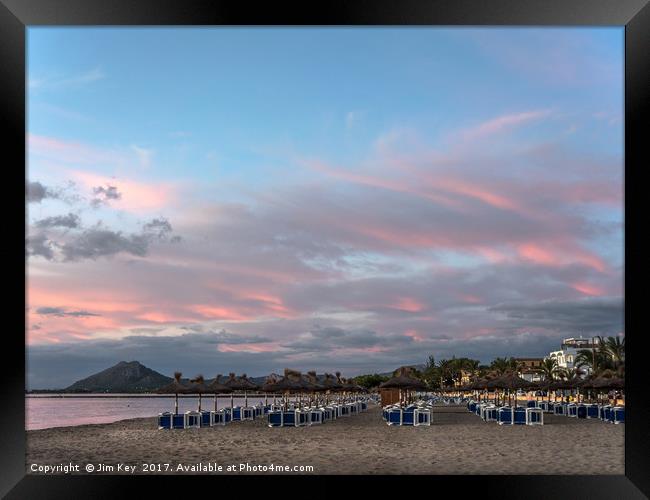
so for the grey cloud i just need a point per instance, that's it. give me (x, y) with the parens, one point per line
(70, 220)
(157, 228)
(61, 312)
(99, 242)
(104, 194)
(35, 192)
(593, 316)
(328, 338)
(222, 336)
(39, 245)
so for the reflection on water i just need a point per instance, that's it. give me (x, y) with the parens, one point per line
(43, 412)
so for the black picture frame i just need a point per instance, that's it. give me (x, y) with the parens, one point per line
(634, 15)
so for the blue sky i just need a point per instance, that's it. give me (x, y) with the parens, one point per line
(330, 180)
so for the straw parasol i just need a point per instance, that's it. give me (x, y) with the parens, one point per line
(242, 383)
(197, 386)
(510, 381)
(217, 387)
(176, 388)
(290, 383)
(331, 384)
(312, 379)
(404, 381)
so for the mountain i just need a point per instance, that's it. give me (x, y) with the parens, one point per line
(123, 377)
(134, 377)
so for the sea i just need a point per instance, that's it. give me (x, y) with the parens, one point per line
(47, 410)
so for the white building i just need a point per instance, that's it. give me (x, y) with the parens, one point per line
(566, 356)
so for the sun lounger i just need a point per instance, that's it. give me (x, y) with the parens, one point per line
(534, 416)
(531, 403)
(572, 410)
(316, 416)
(394, 416)
(421, 416)
(560, 409)
(519, 416)
(592, 410)
(544, 406)
(218, 417)
(331, 413)
(205, 419)
(606, 413)
(165, 420)
(581, 411)
(490, 413)
(505, 416)
(247, 413)
(618, 415)
(408, 416)
(192, 419)
(301, 418)
(178, 421)
(236, 414)
(274, 418)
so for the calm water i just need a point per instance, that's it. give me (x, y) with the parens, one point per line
(43, 412)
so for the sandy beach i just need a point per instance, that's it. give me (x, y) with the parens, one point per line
(457, 442)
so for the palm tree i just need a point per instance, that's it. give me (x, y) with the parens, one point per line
(614, 348)
(500, 365)
(570, 373)
(445, 367)
(549, 368)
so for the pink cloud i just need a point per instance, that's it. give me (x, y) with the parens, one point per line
(470, 299)
(215, 312)
(503, 122)
(408, 304)
(71, 152)
(588, 289)
(255, 347)
(414, 335)
(136, 196)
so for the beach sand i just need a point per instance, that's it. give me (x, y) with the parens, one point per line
(457, 442)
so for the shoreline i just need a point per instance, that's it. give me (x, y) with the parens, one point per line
(457, 442)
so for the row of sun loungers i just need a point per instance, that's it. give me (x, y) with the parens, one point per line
(191, 419)
(314, 415)
(277, 415)
(533, 413)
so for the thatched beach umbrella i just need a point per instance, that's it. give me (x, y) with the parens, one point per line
(242, 383)
(331, 384)
(509, 381)
(217, 387)
(315, 386)
(268, 385)
(176, 388)
(562, 384)
(609, 383)
(247, 385)
(197, 386)
(288, 384)
(404, 381)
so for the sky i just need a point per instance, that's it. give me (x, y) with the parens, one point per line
(248, 199)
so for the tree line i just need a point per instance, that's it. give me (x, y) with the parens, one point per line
(606, 360)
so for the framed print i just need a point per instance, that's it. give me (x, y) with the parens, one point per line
(394, 242)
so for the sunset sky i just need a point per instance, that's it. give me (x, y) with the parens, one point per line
(212, 200)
